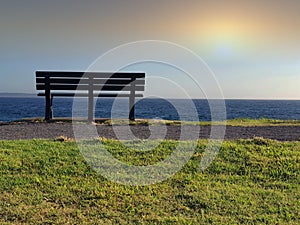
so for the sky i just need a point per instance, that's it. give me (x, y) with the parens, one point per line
(252, 47)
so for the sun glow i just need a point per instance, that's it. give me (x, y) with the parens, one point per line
(226, 38)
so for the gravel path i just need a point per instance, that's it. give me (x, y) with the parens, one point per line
(27, 130)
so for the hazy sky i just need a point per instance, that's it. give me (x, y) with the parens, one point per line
(253, 47)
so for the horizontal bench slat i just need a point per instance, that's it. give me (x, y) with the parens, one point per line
(90, 74)
(87, 87)
(87, 81)
(86, 95)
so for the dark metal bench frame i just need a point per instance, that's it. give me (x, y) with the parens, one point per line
(90, 85)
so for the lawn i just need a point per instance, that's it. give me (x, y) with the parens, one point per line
(250, 182)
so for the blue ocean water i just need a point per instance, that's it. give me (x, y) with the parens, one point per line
(18, 108)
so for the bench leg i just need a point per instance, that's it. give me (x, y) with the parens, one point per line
(48, 109)
(91, 108)
(131, 107)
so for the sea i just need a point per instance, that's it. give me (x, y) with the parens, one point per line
(17, 108)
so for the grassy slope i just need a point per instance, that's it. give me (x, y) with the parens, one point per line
(250, 182)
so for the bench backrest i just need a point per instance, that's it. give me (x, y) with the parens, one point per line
(90, 81)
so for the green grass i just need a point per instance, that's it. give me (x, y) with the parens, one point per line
(250, 182)
(262, 122)
(234, 122)
(246, 122)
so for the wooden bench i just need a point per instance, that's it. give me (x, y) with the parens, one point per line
(90, 85)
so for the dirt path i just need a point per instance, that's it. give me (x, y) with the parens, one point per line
(27, 130)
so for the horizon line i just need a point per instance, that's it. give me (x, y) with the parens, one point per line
(229, 98)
